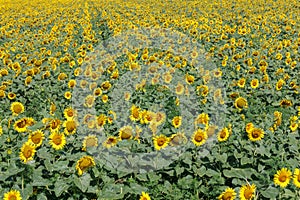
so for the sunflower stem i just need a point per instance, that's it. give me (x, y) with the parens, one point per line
(22, 182)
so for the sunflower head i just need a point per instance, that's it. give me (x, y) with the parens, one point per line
(228, 194)
(199, 137)
(160, 142)
(110, 142)
(57, 140)
(177, 139)
(282, 177)
(241, 103)
(27, 152)
(84, 163)
(36, 138)
(12, 195)
(223, 135)
(126, 133)
(247, 192)
(17, 108)
(256, 134)
(145, 196)
(176, 122)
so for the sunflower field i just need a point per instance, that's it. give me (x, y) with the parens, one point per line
(149, 99)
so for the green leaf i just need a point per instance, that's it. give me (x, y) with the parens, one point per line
(270, 192)
(60, 186)
(82, 182)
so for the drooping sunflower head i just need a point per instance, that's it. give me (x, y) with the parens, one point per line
(228, 194)
(160, 142)
(177, 139)
(282, 177)
(110, 142)
(249, 127)
(135, 113)
(247, 192)
(126, 133)
(84, 163)
(199, 137)
(27, 152)
(17, 108)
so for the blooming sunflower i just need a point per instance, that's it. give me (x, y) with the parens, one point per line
(179, 89)
(135, 113)
(202, 118)
(89, 101)
(247, 192)
(27, 152)
(89, 141)
(17, 108)
(145, 196)
(110, 142)
(101, 121)
(84, 163)
(12, 195)
(68, 95)
(256, 134)
(241, 103)
(199, 137)
(159, 118)
(70, 127)
(254, 83)
(223, 135)
(249, 127)
(126, 133)
(228, 194)
(36, 138)
(241, 82)
(176, 121)
(20, 125)
(282, 177)
(57, 140)
(160, 142)
(296, 178)
(70, 113)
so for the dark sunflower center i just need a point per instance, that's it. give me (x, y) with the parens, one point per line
(70, 126)
(241, 103)
(12, 197)
(160, 142)
(255, 134)
(198, 138)
(28, 153)
(36, 138)
(223, 134)
(57, 140)
(21, 124)
(282, 178)
(17, 109)
(248, 193)
(227, 196)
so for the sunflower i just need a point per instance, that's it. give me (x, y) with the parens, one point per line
(70, 127)
(228, 194)
(101, 121)
(17, 108)
(68, 95)
(249, 127)
(84, 163)
(110, 142)
(126, 133)
(202, 118)
(176, 121)
(27, 152)
(104, 98)
(160, 142)
(189, 79)
(256, 134)
(280, 84)
(135, 113)
(54, 125)
(241, 103)
(179, 89)
(160, 117)
(296, 178)
(145, 196)
(20, 125)
(241, 83)
(57, 140)
(177, 139)
(105, 85)
(70, 113)
(282, 177)
(89, 101)
(199, 137)
(247, 192)
(223, 135)
(254, 83)
(36, 138)
(202, 90)
(12, 195)
(293, 126)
